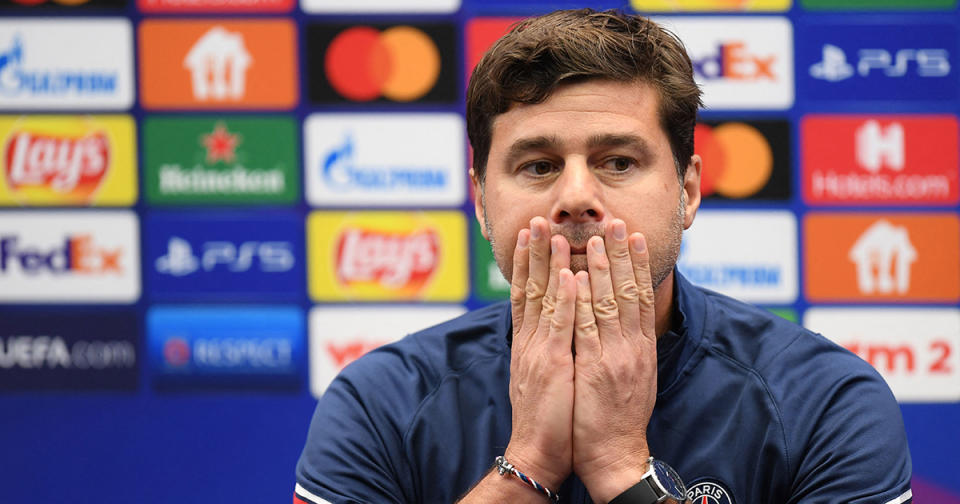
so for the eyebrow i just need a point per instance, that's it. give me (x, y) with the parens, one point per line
(632, 141)
(524, 145)
(539, 143)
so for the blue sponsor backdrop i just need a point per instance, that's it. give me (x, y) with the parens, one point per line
(50, 350)
(225, 347)
(888, 61)
(203, 439)
(224, 257)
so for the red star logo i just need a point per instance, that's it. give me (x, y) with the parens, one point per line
(221, 144)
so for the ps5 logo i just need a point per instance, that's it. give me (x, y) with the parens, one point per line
(270, 257)
(834, 67)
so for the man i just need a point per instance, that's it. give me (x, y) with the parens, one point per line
(582, 127)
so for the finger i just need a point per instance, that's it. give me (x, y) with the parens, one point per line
(586, 337)
(622, 276)
(559, 259)
(640, 255)
(601, 289)
(518, 281)
(538, 271)
(561, 323)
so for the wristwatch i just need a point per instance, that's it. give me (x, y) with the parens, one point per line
(660, 484)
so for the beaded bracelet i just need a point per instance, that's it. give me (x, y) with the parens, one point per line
(506, 467)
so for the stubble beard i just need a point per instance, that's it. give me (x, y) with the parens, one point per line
(663, 256)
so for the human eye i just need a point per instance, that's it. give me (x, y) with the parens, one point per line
(539, 168)
(619, 164)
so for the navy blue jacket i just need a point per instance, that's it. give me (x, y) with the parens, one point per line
(751, 409)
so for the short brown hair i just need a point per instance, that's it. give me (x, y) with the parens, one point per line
(538, 54)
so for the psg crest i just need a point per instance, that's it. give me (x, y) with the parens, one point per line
(709, 492)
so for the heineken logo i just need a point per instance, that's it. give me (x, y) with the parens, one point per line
(209, 160)
(221, 145)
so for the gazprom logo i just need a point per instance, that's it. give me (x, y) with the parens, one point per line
(340, 170)
(16, 78)
(392, 160)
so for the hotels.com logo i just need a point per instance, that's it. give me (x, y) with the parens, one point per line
(69, 167)
(392, 260)
(884, 159)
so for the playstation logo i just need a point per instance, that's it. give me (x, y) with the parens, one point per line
(833, 67)
(179, 260)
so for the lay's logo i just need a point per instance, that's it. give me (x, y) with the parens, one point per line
(67, 161)
(387, 256)
(63, 164)
(399, 261)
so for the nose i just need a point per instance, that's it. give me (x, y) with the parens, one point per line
(577, 196)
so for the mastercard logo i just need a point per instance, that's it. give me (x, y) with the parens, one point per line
(744, 160)
(401, 63)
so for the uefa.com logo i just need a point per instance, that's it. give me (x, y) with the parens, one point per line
(39, 71)
(53, 350)
(388, 160)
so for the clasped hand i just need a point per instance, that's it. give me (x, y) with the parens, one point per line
(583, 369)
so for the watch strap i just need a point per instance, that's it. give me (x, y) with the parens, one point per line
(641, 493)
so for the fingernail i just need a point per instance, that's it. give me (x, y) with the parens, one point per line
(583, 280)
(598, 245)
(619, 230)
(553, 245)
(534, 231)
(639, 244)
(523, 239)
(563, 278)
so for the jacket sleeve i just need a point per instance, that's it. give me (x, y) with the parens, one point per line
(353, 452)
(856, 446)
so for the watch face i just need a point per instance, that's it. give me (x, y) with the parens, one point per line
(669, 480)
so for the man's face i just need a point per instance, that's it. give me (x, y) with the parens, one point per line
(592, 152)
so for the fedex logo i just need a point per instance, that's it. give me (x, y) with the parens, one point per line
(78, 254)
(751, 69)
(271, 256)
(241, 256)
(733, 60)
(879, 62)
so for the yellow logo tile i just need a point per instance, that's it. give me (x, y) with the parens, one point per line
(387, 256)
(68, 160)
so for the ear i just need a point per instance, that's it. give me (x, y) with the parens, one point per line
(478, 203)
(691, 189)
